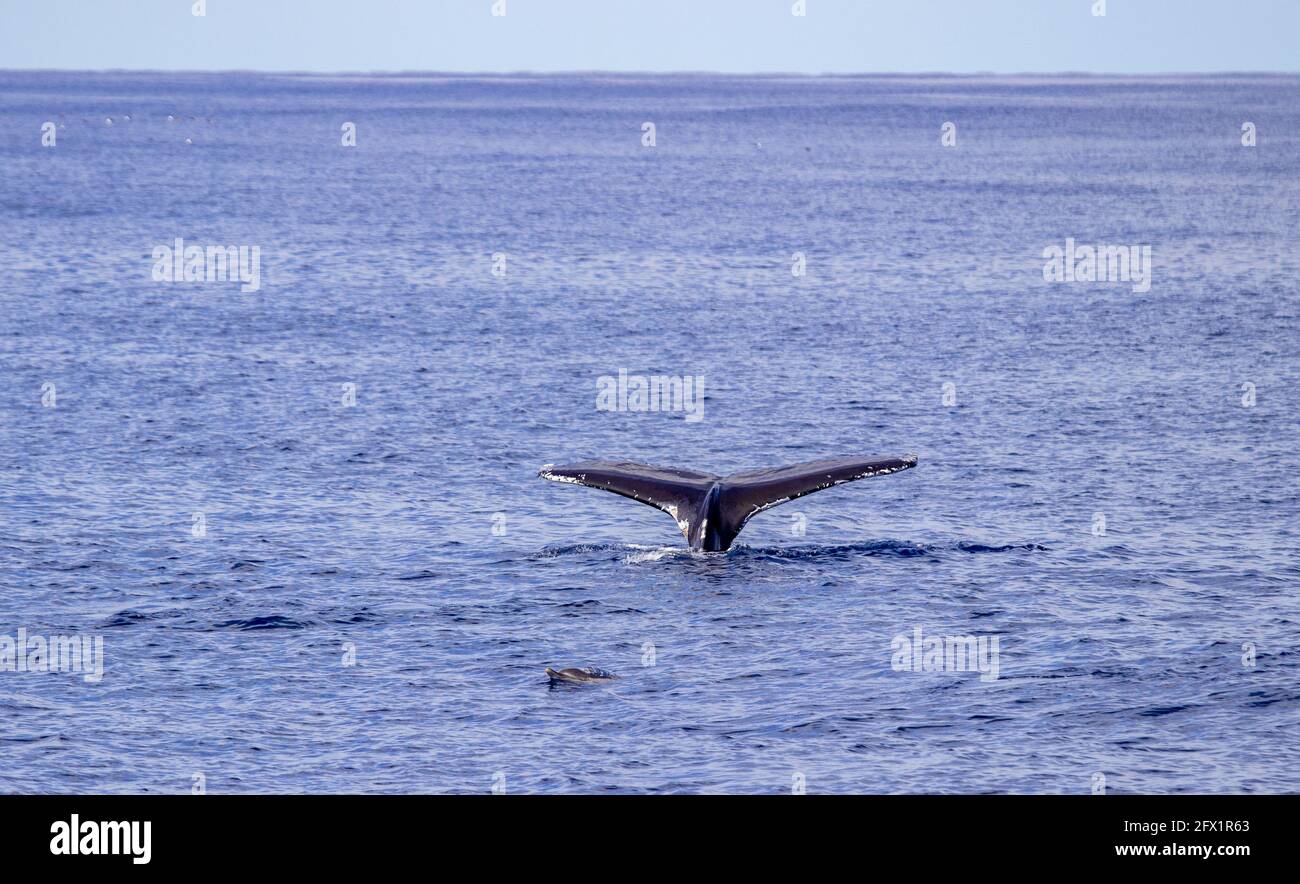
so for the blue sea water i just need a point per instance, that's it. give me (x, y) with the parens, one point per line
(1162, 654)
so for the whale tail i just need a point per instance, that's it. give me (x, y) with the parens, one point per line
(711, 510)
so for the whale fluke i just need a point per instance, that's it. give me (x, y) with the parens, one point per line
(710, 510)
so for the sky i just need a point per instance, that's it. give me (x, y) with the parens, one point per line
(733, 36)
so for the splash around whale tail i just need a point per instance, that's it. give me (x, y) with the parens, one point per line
(711, 510)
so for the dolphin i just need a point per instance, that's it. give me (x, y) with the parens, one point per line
(710, 510)
(579, 676)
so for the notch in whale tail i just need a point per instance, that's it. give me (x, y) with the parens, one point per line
(711, 510)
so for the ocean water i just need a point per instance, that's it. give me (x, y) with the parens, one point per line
(409, 536)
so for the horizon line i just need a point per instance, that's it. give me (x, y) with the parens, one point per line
(635, 73)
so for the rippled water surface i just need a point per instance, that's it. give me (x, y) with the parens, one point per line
(370, 529)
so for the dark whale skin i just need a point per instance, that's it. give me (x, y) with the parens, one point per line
(711, 510)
